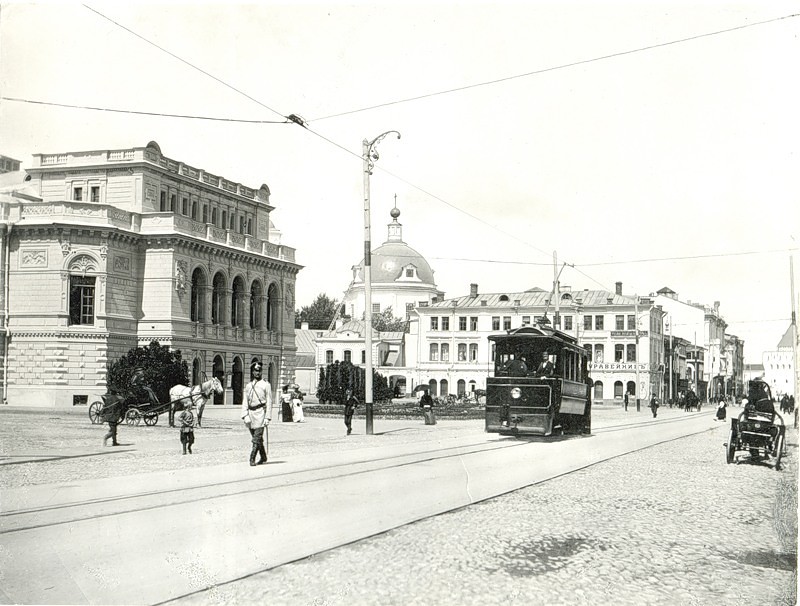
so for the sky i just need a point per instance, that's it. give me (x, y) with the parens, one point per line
(653, 144)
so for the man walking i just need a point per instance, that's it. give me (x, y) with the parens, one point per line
(627, 396)
(350, 403)
(257, 412)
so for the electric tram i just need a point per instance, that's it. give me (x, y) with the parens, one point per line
(540, 385)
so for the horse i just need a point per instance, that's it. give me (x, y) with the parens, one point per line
(198, 394)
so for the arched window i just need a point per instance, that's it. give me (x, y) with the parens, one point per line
(272, 307)
(197, 312)
(218, 298)
(256, 293)
(631, 387)
(445, 354)
(598, 390)
(473, 352)
(462, 352)
(237, 301)
(461, 387)
(599, 352)
(618, 390)
(443, 387)
(432, 385)
(434, 352)
(219, 372)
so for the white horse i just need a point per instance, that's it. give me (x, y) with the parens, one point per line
(198, 395)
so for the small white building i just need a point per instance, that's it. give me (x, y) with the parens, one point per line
(779, 367)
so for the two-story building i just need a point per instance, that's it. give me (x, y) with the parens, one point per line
(107, 250)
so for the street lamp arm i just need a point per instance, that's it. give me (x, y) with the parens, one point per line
(371, 152)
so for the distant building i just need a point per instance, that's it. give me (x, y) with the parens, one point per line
(779, 367)
(8, 165)
(108, 250)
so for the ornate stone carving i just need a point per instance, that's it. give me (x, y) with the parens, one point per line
(181, 271)
(122, 264)
(83, 263)
(66, 245)
(33, 258)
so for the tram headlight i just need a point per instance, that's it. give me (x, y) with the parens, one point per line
(516, 393)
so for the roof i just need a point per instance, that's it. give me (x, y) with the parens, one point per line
(304, 340)
(536, 297)
(305, 360)
(786, 339)
(388, 261)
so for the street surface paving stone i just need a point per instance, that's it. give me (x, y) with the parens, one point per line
(671, 524)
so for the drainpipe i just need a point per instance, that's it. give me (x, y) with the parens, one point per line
(6, 307)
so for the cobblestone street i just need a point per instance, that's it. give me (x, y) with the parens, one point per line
(672, 525)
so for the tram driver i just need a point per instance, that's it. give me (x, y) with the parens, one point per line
(546, 367)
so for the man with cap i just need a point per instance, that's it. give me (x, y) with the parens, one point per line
(257, 411)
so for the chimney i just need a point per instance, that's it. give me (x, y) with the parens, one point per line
(304, 326)
(473, 291)
(619, 288)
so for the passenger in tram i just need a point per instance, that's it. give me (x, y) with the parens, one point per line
(517, 367)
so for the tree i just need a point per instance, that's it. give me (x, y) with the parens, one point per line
(341, 376)
(319, 314)
(386, 322)
(163, 368)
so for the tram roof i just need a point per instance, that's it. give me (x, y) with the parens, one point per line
(536, 331)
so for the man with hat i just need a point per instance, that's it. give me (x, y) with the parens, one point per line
(257, 411)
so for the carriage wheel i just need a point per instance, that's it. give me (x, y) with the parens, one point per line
(778, 451)
(132, 417)
(731, 450)
(94, 412)
(150, 418)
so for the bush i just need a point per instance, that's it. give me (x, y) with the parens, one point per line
(163, 368)
(338, 377)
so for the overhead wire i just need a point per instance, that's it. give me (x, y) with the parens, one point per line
(304, 124)
(555, 67)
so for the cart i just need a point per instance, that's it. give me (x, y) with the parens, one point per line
(759, 429)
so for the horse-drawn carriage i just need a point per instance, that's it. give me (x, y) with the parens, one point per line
(759, 429)
(142, 404)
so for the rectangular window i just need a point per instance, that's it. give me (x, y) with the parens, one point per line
(363, 356)
(462, 352)
(473, 323)
(506, 322)
(619, 322)
(434, 323)
(329, 356)
(77, 194)
(599, 353)
(434, 352)
(462, 323)
(205, 213)
(409, 309)
(567, 322)
(94, 193)
(376, 308)
(348, 356)
(631, 322)
(409, 273)
(526, 320)
(495, 322)
(445, 323)
(619, 351)
(81, 300)
(163, 202)
(598, 322)
(473, 352)
(587, 322)
(445, 352)
(173, 202)
(185, 206)
(631, 353)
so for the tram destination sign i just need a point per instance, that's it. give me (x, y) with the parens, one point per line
(618, 366)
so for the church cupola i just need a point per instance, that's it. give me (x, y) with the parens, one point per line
(395, 228)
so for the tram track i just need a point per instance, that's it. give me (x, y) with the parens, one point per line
(76, 511)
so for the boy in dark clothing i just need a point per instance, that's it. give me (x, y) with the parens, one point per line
(350, 404)
(186, 419)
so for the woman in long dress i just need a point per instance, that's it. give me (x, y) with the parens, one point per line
(297, 405)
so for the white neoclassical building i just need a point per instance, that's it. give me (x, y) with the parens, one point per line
(106, 250)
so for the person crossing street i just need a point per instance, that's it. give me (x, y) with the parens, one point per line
(257, 412)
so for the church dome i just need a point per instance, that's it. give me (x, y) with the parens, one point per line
(392, 261)
(395, 261)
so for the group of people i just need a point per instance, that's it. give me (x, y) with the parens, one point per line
(518, 366)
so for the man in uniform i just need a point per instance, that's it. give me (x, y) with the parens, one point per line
(350, 404)
(257, 411)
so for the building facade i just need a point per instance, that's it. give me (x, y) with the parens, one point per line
(108, 250)
(623, 334)
(778, 367)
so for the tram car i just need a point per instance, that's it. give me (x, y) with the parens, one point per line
(540, 385)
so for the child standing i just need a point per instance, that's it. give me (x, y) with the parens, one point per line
(187, 428)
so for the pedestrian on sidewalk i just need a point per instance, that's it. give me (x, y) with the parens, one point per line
(654, 406)
(350, 404)
(286, 405)
(297, 404)
(112, 413)
(186, 419)
(721, 410)
(426, 404)
(257, 412)
(627, 395)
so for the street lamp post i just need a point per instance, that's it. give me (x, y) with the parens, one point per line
(369, 156)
